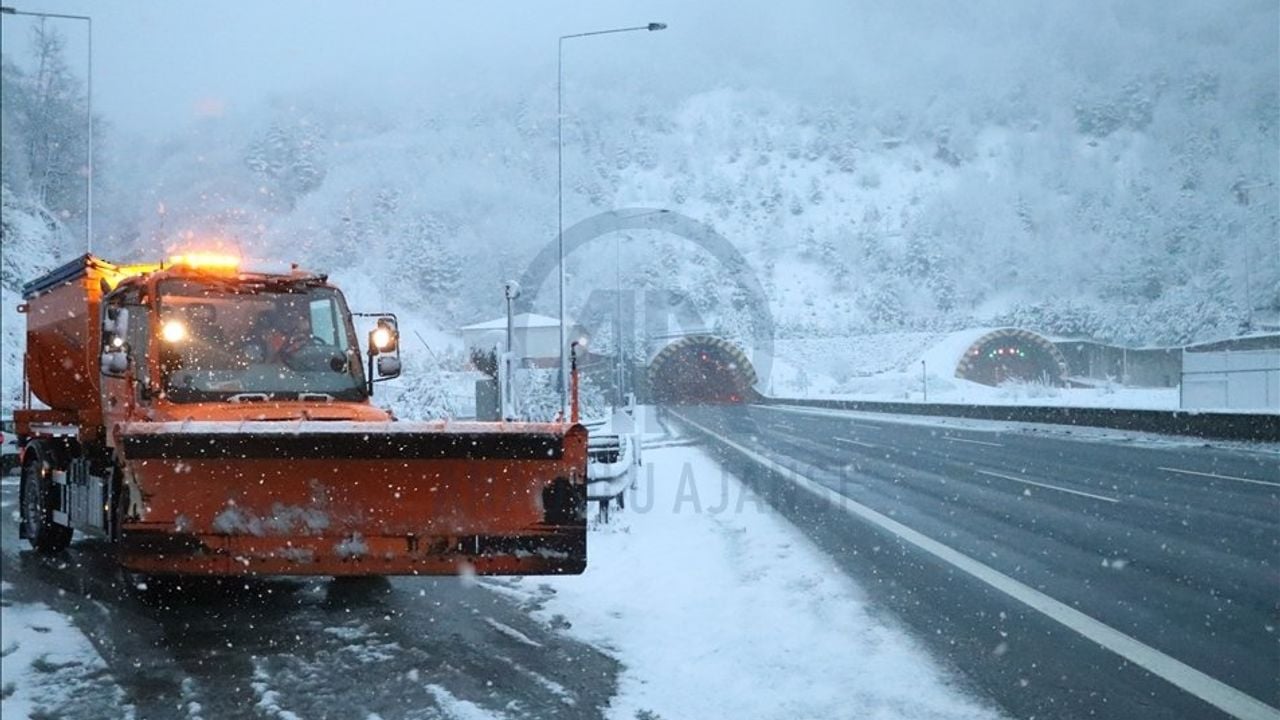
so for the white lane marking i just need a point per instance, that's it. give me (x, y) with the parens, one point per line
(995, 427)
(853, 442)
(1047, 485)
(865, 427)
(1215, 692)
(975, 442)
(1221, 477)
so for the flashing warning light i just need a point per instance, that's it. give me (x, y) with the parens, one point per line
(116, 274)
(173, 331)
(206, 261)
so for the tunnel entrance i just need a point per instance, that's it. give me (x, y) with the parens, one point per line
(699, 370)
(1012, 354)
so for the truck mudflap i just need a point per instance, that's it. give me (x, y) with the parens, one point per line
(340, 498)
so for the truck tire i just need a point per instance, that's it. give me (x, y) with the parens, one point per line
(37, 491)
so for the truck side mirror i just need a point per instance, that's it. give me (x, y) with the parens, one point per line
(115, 362)
(388, 367)
(116, 322)
(115, 348)
(384, 345)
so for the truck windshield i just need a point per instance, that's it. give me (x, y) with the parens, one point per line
(230, 341)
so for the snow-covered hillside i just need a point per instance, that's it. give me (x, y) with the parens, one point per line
(1138, 208)
(32, 241)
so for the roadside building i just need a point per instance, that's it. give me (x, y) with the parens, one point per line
(536, 338)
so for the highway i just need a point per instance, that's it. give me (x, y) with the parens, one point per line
(310, 648)
(1059, 575)
(1064, 576)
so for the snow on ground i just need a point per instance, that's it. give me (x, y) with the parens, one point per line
(909, 387)
(788, 380)
(455, 708)
(886, 367)
(842, 358)
(49, 669)
(719, 608)
(13, 343)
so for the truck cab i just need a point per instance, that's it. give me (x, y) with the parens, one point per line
(217, 344)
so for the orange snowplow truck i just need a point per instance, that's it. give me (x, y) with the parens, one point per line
(211, 421)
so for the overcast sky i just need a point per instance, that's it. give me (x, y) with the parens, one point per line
(160, 63)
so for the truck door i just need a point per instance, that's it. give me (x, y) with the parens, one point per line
(123, 387)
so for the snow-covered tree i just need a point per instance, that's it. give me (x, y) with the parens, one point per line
(46, 136)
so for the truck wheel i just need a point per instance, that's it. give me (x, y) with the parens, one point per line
(37, 507)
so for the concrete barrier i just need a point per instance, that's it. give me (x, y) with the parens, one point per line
(1257, 427)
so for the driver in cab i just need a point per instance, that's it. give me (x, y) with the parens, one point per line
(286, 333)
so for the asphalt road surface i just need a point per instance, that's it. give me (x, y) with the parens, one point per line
(1172, 545)
(403, 648)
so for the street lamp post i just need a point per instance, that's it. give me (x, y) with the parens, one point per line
(617, 319)
(564, 358)
(88, 219)
(508, 385)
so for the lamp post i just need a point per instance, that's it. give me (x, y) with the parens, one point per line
(617, 319)
(564, 358)
(88, 220)
(512, 291)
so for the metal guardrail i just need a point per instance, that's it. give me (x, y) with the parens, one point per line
(611, 463)
(1256, 427)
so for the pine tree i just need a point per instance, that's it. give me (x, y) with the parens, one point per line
(881, 302)
(424, 261)
(288, 160)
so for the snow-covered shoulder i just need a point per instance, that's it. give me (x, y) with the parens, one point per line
(720, 608)
(48, 668)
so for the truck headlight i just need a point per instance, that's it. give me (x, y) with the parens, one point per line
(173, 331)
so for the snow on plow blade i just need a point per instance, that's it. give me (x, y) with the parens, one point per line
(348, 498)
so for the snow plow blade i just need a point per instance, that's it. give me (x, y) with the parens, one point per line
(347, 498)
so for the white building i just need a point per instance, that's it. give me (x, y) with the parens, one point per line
(1238, 373)
(536, 338)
